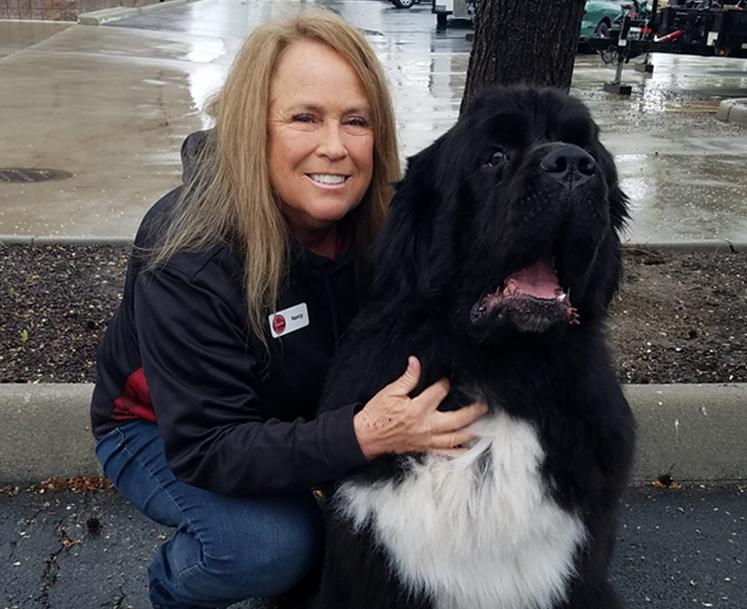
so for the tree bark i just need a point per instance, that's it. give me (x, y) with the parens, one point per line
(523, 41)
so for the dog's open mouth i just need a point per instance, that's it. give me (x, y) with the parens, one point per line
(530, 298)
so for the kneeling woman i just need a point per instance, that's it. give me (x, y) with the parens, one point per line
(239, 286)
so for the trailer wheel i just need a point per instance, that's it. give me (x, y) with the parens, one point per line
(602, 30)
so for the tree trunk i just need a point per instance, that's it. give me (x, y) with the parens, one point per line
(524, 41)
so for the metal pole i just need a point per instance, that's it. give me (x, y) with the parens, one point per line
(616, 85)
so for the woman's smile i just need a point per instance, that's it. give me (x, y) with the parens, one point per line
(328, 180)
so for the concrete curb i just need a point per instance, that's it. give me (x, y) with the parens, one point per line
(46, 240)
(46, 432)
(705, 245)
(691, 432)
(733, 110)
(721, 246)
(120, 12)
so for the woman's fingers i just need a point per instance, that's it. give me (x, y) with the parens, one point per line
(448, 452)
(409, 380)
(433, 395)
(451, 439)
(457, 419)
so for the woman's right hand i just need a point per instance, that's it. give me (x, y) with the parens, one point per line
(392, 422)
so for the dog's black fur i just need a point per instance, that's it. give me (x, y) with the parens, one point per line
(521, 176)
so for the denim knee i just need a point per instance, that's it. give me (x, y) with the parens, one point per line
(262, 556)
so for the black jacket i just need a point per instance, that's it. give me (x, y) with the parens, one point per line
(179, 351)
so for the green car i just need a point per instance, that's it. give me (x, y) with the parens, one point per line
(599, 15)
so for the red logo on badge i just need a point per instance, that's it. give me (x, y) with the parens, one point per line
(278, 324)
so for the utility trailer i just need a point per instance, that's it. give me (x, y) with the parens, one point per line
(687, 27)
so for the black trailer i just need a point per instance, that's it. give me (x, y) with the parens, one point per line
(688, 27)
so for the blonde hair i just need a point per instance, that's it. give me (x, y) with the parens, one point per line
(229, 198)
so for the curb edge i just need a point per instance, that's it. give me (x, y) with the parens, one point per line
(703, 245)
(115, 13)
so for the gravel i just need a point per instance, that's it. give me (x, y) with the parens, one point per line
(679, 317)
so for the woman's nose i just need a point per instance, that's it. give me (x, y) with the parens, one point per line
(331, 144)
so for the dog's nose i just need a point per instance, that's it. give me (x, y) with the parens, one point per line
(570, 165)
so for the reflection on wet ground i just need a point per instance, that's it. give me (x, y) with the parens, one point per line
(686, 197)
(111, 104)
(18, 35)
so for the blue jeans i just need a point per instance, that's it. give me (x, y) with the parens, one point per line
(224, 549)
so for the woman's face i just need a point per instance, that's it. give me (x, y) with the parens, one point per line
(320, 136)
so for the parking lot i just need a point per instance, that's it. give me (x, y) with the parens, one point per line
(111, 104)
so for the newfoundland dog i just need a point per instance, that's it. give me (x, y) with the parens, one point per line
(495, 268)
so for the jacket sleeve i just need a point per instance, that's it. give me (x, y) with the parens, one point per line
(200, 376)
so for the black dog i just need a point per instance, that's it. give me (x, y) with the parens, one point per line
(499, 258)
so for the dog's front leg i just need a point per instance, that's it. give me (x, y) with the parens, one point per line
(357, 573)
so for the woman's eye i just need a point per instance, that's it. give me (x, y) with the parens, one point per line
(358, 122)
(497, 157)
(303, 118)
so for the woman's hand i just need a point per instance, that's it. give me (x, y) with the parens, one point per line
(392, 422)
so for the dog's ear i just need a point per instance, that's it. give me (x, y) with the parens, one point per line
(618, 200)
(619, 216)
(414, 253)
(607, 273)
(609, 263)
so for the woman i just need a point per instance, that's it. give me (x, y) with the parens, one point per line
(211, 369)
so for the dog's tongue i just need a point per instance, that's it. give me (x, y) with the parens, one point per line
(538, 280)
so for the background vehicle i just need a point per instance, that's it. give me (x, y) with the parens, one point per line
(599, 18)
(404, 3)
(601, 15)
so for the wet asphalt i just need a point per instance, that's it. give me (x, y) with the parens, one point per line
(676, 549)
(111, 104)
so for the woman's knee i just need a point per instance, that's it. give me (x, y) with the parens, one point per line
(282, 546)
(266, 554)
(241, 575)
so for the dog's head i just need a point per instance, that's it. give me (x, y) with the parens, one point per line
(510, 219)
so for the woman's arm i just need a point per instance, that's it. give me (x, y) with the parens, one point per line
(201, 377)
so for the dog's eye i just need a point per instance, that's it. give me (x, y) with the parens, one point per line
(497, 157)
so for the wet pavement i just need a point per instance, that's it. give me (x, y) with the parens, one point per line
(111, 104)
(675, 550)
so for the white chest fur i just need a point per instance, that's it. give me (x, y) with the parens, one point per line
(471, 534)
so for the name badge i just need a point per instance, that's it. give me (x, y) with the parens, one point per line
(289, 320)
